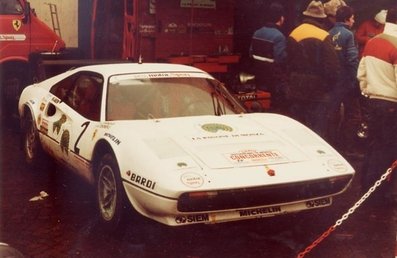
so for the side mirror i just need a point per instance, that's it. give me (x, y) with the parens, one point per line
(26, 13)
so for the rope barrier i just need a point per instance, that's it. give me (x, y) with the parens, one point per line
(345, 216)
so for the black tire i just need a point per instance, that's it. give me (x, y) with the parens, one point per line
(110, 193)
(34, 155)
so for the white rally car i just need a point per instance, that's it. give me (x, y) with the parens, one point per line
(172, 142)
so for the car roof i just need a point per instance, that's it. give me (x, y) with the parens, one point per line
(121, 68)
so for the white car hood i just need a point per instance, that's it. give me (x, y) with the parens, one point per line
(232, 140)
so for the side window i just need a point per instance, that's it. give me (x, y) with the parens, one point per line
(82, 92)
(63, 88)
(10, 7)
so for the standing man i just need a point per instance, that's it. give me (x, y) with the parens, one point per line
(377, 74)
(313, 70)
(346, 90)
(268, 51)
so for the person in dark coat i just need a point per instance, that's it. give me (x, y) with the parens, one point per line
(346, 91)
(268, 53)
(313, 70)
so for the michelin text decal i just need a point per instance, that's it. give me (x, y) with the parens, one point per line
(260, 211)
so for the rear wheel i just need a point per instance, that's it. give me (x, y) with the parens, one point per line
(110, 192)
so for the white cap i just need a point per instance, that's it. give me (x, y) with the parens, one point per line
(381, 16)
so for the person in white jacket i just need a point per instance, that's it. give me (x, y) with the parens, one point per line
(377, 75)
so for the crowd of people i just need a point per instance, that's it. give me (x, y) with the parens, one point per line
(324, 67)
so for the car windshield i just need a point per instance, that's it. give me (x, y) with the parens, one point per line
(130, 97)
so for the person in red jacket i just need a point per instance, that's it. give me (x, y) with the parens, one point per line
(369, 29)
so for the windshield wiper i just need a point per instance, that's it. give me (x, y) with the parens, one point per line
(219, 105)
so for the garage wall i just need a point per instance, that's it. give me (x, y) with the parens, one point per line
(67, 15)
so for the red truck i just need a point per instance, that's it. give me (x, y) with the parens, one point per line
(22, 38)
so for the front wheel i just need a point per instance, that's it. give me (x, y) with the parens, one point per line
(110, 193)
(31, 142)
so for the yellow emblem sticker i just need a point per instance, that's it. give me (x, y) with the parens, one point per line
(16, 24)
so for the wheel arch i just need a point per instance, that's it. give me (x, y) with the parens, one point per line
(101, 148)
(26, 110)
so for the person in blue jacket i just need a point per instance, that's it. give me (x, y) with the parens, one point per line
(268, 52)
(346, 91)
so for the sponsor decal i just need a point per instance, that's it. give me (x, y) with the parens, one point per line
(65, 142)
(42, 106)
(197, 218)
(214, 127)
(318, 203)
(247, 96)
(254, 156)
(337, 165)
(118, 78)
(12, 37)
(225, 136)
(94, 134)
(106, 126)
(16, 24)
(56, 100)
(44, 125)
(140, 180)
(58, 124)
(212, 137)
(260, 211)
(147, 29)
(211, 4)
(159, 75)
(181, 164)
(113, 138)
(182, 75)
(175, 28)
(192, 180)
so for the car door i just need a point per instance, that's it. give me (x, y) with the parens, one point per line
(69, 113)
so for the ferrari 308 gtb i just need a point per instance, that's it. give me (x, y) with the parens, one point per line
(173, 143)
